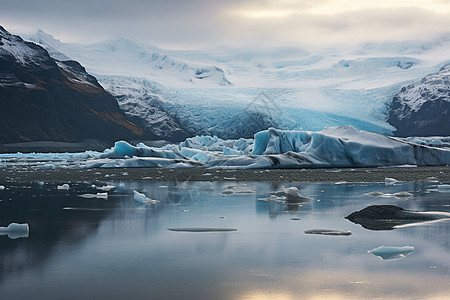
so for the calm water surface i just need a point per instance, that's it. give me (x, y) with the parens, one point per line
(117, 249)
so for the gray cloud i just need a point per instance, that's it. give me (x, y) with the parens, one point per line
(203, 23)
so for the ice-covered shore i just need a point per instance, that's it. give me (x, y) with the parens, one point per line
(342, 146)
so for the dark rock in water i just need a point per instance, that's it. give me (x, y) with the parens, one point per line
(328, 232)
(387, 217)
(202, 229)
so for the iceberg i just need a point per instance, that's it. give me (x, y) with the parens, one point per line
(333, 147)
(65, 186)
(15, 230)
(387, 253)
(142, 199)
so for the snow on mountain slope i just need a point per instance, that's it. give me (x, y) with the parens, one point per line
(139, 99)
(132, 58)
(423, 108)
(312, 88)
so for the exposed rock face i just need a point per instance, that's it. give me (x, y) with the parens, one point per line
(388, 217)
(45, 99)
(423, 108)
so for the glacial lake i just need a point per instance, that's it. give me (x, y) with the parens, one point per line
(116, 248)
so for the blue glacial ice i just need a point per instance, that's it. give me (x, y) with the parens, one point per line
(342, 146)
(387, 253)
(15, 230)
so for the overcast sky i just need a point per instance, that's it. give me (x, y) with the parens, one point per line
(191, 24)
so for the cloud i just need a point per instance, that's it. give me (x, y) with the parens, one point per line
(204, 23)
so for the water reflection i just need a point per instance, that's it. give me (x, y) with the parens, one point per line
(117, 248)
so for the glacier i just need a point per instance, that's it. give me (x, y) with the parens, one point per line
(217, 91)
(343, 146)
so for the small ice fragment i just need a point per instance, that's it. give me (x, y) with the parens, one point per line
(207, 174)
(15, 230)
(443, 187)
(202, 229)
(328, 232)
(341, 182)
(125, 173)
(98, 195)
(245, 192)
(106, 188)
(403, 194)
(293, 196)
(2, 187)
(229, 178)
(375, 194)
(386, 253)
(141, 198)
(93, 186)
(390, 181)
(65, 186)
(432, 179)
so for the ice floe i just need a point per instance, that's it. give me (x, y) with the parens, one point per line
(15, 230)
(65, 186)
(141, 198)
(387, 253)
(98, 196)
(328, 232)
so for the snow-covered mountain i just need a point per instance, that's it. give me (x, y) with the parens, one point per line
(135, 59)
(423, 108)
(45, 99)
(304, 89)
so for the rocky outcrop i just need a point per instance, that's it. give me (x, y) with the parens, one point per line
(43, 99)
(423, 108)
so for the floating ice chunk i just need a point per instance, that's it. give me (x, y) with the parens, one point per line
(141, 198)
(105, 188)
(206, 174)
(2, 187)
(386, 253)
(293, 196)
(390, 181)
(98, 195)
(15, 230)
(402, 194)
(65, 186)
(125, 173)
(443, 188)
(432, 179)
(328, 232)
(202, 229)
(375, 194)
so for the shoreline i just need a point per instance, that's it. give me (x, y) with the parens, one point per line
(419, 174)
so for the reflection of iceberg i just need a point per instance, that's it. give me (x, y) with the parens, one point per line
(15, 230)
(386, 253)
